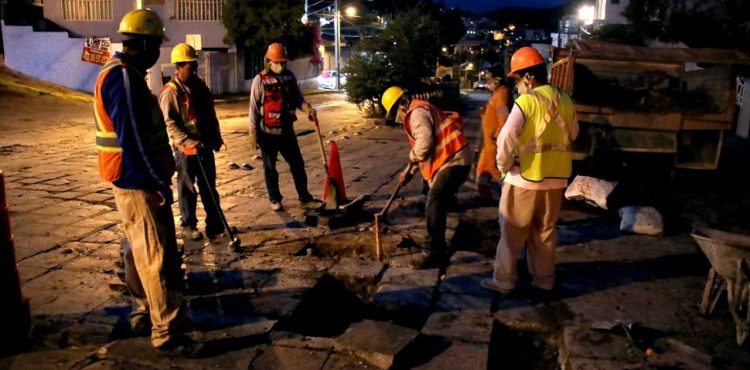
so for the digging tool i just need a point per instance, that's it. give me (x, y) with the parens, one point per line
(331, 190)
(234, 241)
(382, 213)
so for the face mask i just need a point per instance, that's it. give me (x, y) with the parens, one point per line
(277, 67)
(400, 115)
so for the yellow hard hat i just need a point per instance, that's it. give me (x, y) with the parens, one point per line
(142, 22)
(391, 96)
(183, 53)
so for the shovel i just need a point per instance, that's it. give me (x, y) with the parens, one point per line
(382, 213)
(331, 191)
(234, 241)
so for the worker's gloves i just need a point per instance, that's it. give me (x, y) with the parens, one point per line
(253, 138)
(405, 177)
(310, 111)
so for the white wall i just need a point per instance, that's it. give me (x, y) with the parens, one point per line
(609, 13)
(48, 56)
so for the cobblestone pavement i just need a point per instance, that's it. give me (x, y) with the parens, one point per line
(299, 297)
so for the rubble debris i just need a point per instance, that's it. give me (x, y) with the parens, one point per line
(591, 190)
(641, 220)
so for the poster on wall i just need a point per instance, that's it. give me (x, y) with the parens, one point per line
(96, 49)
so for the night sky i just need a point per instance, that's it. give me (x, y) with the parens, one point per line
(482, 6)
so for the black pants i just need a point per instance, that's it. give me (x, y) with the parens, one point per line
(439, 198)
(287, 145)
(188, 175)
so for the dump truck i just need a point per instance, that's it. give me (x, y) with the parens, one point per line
(670, 101)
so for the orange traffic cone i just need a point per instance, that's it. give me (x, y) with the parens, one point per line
(15, 318)
(335, 174)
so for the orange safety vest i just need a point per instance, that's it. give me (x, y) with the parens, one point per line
(276, 91)
(186, 111)
(108, 148)
(449, 138)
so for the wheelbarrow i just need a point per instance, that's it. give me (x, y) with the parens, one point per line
(729, 255)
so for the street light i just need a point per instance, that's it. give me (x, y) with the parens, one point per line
(350, 11)
(586, 14)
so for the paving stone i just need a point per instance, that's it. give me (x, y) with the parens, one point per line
(463, 302)
(257, 330)
(108, 365)
(50, 360)
(410, 277)
(459, 356)
(81, 334)
(589, 364)
(375, 341)
(582, 342)
(466, 257)
(289, 339)
(466, 279)
(277, 304)
(218, 355)
(404, 301)
(285, 279)
(62, 292)
(103, 236)
(344, 361)
(465, 326)
(48, 260)
(533, 318)
(283, 358)
(358, 275)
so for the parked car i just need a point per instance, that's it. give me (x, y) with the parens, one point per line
(480, 85)
(327, 79)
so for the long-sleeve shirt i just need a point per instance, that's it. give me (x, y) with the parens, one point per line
(507, 144)
(173, 118)
(420, 125)
(206, 122)
(134, 112)
(256, 104)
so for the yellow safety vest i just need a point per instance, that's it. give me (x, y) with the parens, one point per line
(544, 143)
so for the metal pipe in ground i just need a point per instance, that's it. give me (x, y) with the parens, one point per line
(15, 317)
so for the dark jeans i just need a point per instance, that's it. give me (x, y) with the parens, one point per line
(439, 199)
(188, 175)
(286, 144)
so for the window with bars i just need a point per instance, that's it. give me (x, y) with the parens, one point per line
(199, 10)
(87, 10)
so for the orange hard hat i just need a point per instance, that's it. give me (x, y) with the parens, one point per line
(523, 58)
(276, 53)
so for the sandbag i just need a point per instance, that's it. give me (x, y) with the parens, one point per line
(641, 220)
(591, 190)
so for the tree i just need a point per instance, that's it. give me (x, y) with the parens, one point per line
(252, 25)
(404, 54)
(697, 23)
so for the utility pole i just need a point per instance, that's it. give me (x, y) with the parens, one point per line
(336, 40)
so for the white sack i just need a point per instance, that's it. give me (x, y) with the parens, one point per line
(591, 190)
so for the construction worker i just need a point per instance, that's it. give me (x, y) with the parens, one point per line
(494, 115)
(534, 156)
(135, 156)
(441, 151)
(188, 109)
(274, 98)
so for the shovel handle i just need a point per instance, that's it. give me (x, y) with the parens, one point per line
(395, 192)
(320, 142)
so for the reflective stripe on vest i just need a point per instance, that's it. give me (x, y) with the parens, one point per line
(186, 111)
(448, 137)
(546, 153)
(108, 147)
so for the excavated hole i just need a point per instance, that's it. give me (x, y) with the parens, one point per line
(511, 349)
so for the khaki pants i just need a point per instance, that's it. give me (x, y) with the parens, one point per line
(152, 263)
(527, 215)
